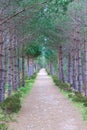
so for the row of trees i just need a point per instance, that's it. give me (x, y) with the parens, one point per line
(76, 34)
(71, 43)
(15, 35)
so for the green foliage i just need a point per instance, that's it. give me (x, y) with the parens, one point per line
(49, 54)
(48, 72)
(33, 50)
(33, 76)
(3, 126)
(71, 95)
(78, 97)
(25, 90)
(28, 86)
(56, 81)
(12, 104)
(61, 85)
(75, 96)
(85, 104)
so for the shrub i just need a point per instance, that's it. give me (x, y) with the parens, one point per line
(61, 85)
(79, 98)
(56, 81)
(65, 86)
(3, 126)
(11, 104)
(85, 104)
(33, 76)
(23, 90)
(48, 72)
(71, 95)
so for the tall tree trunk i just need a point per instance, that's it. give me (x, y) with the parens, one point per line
(18, 61)
(10, 63)
(80, 82)
(4, 60)
(15, 72)
(28, 66)
(75, 63)
(85, 71)
(31, 66)
(60, 64)
(1, 64)
(51, 68)
(23, 66)
(69, 68)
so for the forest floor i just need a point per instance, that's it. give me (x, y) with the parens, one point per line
(47, 109)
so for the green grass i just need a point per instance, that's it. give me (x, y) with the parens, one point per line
(77, 99)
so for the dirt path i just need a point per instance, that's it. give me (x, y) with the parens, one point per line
(47, 109)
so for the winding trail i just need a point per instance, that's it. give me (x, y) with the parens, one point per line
(47, 109)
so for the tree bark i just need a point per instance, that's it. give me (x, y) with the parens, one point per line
(1, 65)
(80, 82)
(60, 64)
(85, 54)
(75, 63)
(23, 66)
(69, 68)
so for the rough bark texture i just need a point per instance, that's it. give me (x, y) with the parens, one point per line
(69, 68)
(75, 63)
(31, 67)
(80, 82)
(23, 66)
(10, 63)
(85, 71)
(51, 68)
(60, 64)
(2, 55)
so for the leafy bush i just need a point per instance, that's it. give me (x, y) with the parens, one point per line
(78, 97)
(11, 104)
(61, 85)
(85, 104)
(23, 90)
(33, 76)
(57, 81)
(3, 126)
(71, 95)
(48, 72)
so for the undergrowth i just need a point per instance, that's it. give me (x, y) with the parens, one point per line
(77, 98)
(13, 103)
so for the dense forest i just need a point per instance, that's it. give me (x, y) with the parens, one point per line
(43, 33)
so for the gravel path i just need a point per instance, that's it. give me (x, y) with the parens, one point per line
(47, 109)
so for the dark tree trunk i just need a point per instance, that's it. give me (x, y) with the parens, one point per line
(80, 82)
(2, 71)
(85, 71)
(18, 61)
(51, 68)
(10, 63)
(75, 63)
(60, 64)
(23, 66)
(28, 66)
(31, 67)
(69, 68)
